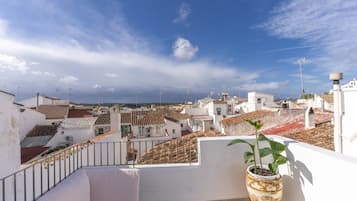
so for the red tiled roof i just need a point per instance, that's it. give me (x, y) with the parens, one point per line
(78, 113)
(28, 153)
(244, 117)
(176, 115)
(103, 119)
(53, 111)
(298, 124)
(321, 136)
(125, 118)
(179, 150)
(147, 117)
(219, 102)
(45, 130)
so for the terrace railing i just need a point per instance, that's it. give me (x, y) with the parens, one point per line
(41, 175)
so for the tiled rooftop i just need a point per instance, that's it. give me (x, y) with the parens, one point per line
(103, 119)
(53, 111)
(76, 113)
(43, 130)
(180, 150)
(241, 118)
(28, 153)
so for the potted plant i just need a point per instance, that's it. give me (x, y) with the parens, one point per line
(263, 181)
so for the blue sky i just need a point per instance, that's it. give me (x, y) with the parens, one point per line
(130, 50)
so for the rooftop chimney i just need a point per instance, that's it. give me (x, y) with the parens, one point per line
(337, 119)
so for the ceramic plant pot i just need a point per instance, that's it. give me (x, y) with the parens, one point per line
(263, 188)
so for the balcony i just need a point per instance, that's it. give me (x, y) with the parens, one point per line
(216, 173)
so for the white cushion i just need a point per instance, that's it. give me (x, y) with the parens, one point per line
(113, 184)
(74, 188)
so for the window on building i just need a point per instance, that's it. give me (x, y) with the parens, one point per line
(148, 130)
(218, 111)
(100, 131)
(259, 100)
(141, 130)
(181, 125)
(173, 131)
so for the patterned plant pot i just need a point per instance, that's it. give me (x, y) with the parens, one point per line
(264, 188)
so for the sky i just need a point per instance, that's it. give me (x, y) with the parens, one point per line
(173, 51)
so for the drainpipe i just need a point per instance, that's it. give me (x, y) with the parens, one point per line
(337, 98)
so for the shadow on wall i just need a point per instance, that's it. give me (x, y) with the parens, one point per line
(298, 175)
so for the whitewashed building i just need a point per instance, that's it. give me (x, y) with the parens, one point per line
(345, 115)
(9, 134)
(43, 100)
(260, 101)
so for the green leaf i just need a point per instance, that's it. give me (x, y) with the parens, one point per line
(273, 167)
(278, 160)
(248, 156)
(277, 147)
(236, 141)
(281, 160)
(262, 137)
(264, 152)
(256, 124)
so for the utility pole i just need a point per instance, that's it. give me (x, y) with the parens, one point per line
(301, 62)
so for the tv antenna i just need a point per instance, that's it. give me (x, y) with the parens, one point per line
(301, 62)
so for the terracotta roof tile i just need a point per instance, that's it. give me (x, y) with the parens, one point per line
(179, 150)
(103, 119)
(28, 153)
(176, 115)
(147, 117)
(321, 136)
(219, 102)
(125, 118)
(77, 113)
(47, 130)
(243, 117)
(53, 111)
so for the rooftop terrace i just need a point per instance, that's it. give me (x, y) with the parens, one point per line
(85, 171)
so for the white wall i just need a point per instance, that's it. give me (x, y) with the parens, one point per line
(170, 126)
(78, 134)
(185, 124)
(9, 135)
(195, 111)
(349, 128)
(220, 174)
(28, 119)
(266, 101)
(156, 130)
(32, 102)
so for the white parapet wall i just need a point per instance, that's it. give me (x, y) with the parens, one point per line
(311, 174)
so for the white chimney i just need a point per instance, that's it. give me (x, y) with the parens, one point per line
(309, 118)
(337, 98)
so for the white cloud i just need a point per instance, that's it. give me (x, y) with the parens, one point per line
(327, 26)
(40, 73)
(12, 63)
(183, 13)
(69, 79)
(97, 86)
(140, 67)
(111, 75)
(183, 49)
(262, 86)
